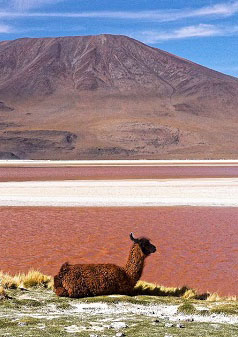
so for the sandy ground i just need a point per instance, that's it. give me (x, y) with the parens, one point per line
(194, 192)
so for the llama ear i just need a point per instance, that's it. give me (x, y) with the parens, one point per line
(132, 238)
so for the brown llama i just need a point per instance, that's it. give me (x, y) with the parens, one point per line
(82, 280)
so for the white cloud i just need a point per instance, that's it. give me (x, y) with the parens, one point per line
(5, 29)
(217, 10)
(24, 5)
(225, 9)
(201, 30)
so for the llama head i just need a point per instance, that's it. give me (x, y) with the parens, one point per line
(145, 245)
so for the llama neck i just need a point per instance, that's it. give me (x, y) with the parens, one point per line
(135, 263)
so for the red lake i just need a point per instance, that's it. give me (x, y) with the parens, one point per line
(115, 172)
(196, 246)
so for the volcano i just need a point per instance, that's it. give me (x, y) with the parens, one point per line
(112, 97)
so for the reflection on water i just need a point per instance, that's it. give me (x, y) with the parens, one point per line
(196, 246)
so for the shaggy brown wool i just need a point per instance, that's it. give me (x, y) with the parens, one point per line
(82, 280)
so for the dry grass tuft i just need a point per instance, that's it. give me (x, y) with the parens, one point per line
(3, 294)
(146, 288)
(190, 294)
(31, 279)
(216, 298)
(35, 278)
(7, 281)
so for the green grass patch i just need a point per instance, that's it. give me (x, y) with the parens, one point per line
(227, 309)
(18, 303)
(28, 302)
(187, 308)
(29, 320)
(204, 312)
(7, 323)
(63, 306)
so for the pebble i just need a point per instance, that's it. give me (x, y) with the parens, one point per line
(22, 323)
(4, 296)
(93, 336)
(120, 334)
(169, 325)
(179, 325)
(215, 326)
(118, 325)
(190, 320)
(157, 320)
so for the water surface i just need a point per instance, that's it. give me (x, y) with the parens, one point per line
(115, 172)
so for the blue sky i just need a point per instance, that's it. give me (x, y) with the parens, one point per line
(205, 32)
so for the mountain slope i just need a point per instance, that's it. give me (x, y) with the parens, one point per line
(112, 97)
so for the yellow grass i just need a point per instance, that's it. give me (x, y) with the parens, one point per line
(190, 294)
(216, 298)
(31, 279)
(2, 292)
(146, 288)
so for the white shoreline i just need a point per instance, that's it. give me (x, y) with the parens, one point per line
(142, 162)
(106, 193)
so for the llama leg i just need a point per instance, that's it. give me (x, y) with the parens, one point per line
(58, 287)
(60, 291)
(72, 293)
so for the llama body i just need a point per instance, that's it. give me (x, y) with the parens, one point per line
(91, 280)
(82, 280)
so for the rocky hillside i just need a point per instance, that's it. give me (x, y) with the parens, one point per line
(111, 97)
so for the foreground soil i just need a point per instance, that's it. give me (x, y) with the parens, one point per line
(41, 313)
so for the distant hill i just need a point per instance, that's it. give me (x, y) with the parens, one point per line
(112, 97)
